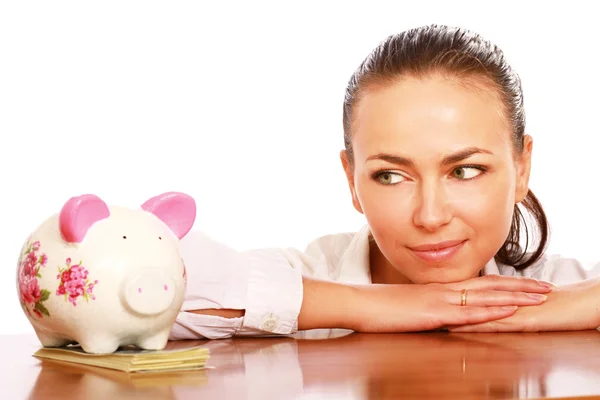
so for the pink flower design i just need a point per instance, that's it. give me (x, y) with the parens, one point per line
(74, 283)
(31, 291)
(31, 296)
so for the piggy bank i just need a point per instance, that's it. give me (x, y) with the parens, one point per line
(106, 276)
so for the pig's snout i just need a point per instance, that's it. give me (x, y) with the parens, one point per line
(149, 293)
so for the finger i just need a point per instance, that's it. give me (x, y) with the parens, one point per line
(483, 298)
(469, 315)
(507, 283)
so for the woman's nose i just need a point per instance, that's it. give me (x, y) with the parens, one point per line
(432, 210)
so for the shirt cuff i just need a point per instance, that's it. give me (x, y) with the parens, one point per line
(199, 326)
(274, 295)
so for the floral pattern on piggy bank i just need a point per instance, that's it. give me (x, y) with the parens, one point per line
(106, 276)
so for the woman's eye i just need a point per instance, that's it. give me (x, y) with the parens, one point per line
(466, 173)
(389, 178)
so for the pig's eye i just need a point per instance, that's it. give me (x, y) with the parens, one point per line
(159, 238)
(124, 237)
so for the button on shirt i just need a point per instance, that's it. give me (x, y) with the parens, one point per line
(267, 283)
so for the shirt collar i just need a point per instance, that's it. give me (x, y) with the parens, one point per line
(354, 264)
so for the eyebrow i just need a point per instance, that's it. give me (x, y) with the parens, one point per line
(449, 159)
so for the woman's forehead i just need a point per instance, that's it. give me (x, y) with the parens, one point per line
(428, 114)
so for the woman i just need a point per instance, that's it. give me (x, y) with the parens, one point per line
(437, 160)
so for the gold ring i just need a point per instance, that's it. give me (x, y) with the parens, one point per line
(463, 297)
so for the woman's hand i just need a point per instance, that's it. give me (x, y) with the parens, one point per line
(568, 308)
(409, 308)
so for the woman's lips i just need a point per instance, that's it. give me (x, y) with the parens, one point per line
(438, 252)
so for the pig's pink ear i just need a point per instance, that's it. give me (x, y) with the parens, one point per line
(177, 210)
(79, 214)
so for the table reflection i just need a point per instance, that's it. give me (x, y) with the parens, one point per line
(341, 364)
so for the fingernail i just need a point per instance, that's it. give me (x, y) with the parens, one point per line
(548, 285)
(536, 296)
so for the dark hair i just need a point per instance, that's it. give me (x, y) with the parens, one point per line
(464, 54)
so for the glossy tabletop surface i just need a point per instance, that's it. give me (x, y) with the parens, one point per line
(333, 365)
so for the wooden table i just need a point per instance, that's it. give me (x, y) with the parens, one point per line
(333, 365)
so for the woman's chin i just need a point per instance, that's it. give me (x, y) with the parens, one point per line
(438, 276)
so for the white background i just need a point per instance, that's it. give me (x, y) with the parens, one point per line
(240, 106)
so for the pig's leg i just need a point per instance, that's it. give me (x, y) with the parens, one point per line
(158, 341)
(96, 343)
(52, 340)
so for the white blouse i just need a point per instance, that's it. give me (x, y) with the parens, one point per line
(267, 283)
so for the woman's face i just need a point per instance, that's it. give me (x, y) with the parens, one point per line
(435, 175)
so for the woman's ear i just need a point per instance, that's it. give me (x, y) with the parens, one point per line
(349, 171)
(524, 169)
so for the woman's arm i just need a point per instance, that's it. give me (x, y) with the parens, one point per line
(406, 308)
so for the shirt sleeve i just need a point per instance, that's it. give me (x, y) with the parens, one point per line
(560, 270)
(266, 283)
